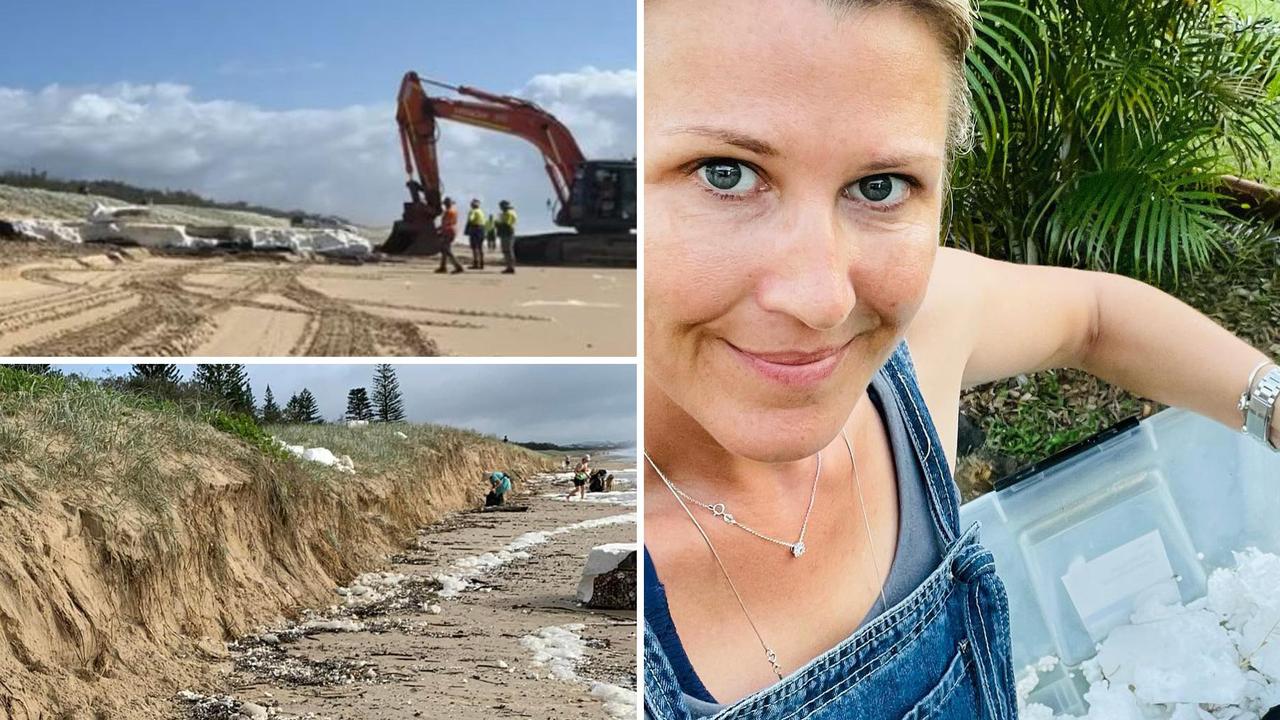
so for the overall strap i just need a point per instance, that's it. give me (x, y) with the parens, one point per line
(662, 699)
(944, 500)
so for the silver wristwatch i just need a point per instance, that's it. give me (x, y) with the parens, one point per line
(1258, 405)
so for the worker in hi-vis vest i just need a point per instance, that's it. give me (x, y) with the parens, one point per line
(475, 233)
(506, 227)
(448, 231)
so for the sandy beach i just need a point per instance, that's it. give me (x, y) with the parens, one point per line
(405, 646)
(99, 300)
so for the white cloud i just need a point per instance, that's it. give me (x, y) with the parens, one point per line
(344, 161)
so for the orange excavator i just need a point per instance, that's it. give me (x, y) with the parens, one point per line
(597, 198)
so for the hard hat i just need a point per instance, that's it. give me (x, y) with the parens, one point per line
(504, 204)
(475, 202)
(448, 200)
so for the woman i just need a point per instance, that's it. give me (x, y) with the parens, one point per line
(806, 342)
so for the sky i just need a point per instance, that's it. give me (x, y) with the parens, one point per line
(292, 104)
(548, 403)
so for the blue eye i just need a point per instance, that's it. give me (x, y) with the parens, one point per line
(886, 190)
(727, 176)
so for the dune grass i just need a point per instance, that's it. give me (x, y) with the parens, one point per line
(377, 448)
(115, 451)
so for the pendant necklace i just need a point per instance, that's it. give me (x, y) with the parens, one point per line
(797, 548)
(770, 656)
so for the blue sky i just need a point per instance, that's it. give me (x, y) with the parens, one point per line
(549, 403)
(321, 54)
(292, 104)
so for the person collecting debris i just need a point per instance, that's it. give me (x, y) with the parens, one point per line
(580, 475)
(490, 235)
(475, 233)
(601, 481)
(448, 231)
(499, 486)
(506, 227)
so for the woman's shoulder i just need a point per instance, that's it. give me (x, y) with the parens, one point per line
(942, 332)
(940, 337)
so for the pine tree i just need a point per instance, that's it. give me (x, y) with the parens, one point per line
(308, 411)
(388, 404)
(358, 405)
(271, 413)
(155, 374)
(228, 384)
(291, 409)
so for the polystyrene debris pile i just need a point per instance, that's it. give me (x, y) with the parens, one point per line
(330, 241)
(324, 456)
(602, 559)
(1216, 658)
(113, 224)
(372, 587)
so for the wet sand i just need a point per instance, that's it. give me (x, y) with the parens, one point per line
(467, 661)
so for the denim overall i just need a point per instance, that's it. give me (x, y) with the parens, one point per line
(942, 652)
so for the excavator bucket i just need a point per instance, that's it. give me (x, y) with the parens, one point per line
(406, 239)
(413, 234)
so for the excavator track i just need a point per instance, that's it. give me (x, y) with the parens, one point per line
(616, 249)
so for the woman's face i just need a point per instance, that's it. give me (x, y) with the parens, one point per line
(794, 163)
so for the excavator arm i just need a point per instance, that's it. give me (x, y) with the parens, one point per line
(596, 198)
(418, 113)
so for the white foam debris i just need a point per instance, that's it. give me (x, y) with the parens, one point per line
(357, 423)
(602, 559)
(626, 498)
(324, 456)
(561, 649)
(327, 241)
(371, 587)
(149, 235)
(105, 223)
(328, 625)
(103, 213)
(33, 229)
(401, 435)
(465, 568)
(1216, 658)
(619, 702)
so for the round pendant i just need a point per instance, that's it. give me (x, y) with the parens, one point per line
(798, 549)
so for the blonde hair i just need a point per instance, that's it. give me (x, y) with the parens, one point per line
(952, 23)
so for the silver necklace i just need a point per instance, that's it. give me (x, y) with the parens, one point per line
(719, 510)
(770, 656)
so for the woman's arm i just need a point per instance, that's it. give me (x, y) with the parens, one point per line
(1026, 318)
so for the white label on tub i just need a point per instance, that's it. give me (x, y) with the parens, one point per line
(1132, 569)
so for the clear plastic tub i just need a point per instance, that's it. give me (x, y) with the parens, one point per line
(1146, 509)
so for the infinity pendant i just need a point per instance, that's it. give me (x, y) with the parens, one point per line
(719, 511)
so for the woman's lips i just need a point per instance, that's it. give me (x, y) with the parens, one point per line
(793, 367)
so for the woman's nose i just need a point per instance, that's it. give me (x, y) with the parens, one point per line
(807, 273)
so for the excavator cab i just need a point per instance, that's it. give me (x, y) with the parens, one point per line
(603, 198)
